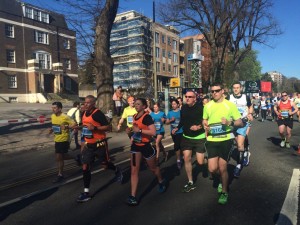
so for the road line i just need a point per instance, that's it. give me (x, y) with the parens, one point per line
(289, 210)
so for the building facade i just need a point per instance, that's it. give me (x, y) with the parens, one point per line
(143, 52)
(277, 77)
(37, 53)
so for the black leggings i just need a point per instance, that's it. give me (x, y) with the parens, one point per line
(263, 113)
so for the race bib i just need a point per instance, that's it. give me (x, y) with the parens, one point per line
(130, 119)
(256, 107)
(218, 130)
(137, 137)
(285, 114)
(264, 107)
(241, 109)
(87, 133)
(56, 129)
(175, 123)
(157, 125)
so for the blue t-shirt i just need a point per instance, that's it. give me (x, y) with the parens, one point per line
(159, 126)
(175, 123)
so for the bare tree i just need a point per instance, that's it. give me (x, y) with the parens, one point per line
(226, 25)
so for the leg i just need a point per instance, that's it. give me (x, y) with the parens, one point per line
(213, 165)
(288, 133)
(158, 145)
(135, 168)
(222, 164)
(154, 169)
(60, 163)
(187, 156)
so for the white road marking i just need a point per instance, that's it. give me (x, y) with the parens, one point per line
(289, 210)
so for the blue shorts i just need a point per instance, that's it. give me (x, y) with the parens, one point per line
(243, 130)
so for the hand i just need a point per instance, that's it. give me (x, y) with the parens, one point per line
(224, 121)
(119, 127)
(135, 128)
(172, 119)
(50, 131)
(174, 130)
(128, 130)
(195, 127)
(90, 126)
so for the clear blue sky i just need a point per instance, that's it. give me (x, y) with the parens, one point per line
(283, 57)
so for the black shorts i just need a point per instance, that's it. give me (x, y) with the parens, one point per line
(177, 140)
(99, 150)
(220, 149)
(287, 122)
(147, 150)
(62, 147)
(196, 145)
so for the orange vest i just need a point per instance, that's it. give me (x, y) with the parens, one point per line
(139, 123)
(284, 107)
(96, 134)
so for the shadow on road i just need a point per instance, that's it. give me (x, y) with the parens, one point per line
(6, 211)
(15, 128)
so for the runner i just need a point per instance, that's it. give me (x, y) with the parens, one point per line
(245, 108)
(173, 118)
(263, 108)
(297, 103)
(217, 119)
(256, 105)
(285, 109)
(143, 130)
(95, 125)
(128, 114)
(61, 123)
(159, 119)
(74, 113)
(193, 136)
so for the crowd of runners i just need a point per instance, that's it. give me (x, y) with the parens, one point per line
(211, 126)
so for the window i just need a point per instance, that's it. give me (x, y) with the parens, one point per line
(169, 41)
(175, 69)
(169, 55)
(41, 37)
(169, 68)
(174, 44)
(35, 14)
(67, 44)
(175, 58)
(44, 59)
(157, 52)
(12, 81)
(9, 30)
(10, 56)
(157, 66)
(164, 53)
(163, 39)
(156, 37)
(67, 64)
(164, 67)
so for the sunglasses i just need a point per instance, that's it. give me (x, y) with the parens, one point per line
(283, 95)
(215, 91)
(187, 96)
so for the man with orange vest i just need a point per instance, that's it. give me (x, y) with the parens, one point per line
(94, 127)
(285, 109)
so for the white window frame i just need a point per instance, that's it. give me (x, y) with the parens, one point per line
(157, 37)
(44, 17)
(10, 54)
(67, 64)
(12, 81)
(44, 58)
(175, 58)
(35, 14)
(41, 37)
(9, 30)
(157, 53)
(28, 12)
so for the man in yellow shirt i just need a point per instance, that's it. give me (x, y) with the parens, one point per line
(128, 114)
(60, 127)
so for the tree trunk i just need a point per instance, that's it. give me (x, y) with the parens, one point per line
(102, 59)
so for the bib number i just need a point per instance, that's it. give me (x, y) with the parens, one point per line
(56, 129)
(87, 133)
(130, 120)
(175, 123)
(157, 125)
(218, 130)
(137, 137)
(256, 107)
(285, 114)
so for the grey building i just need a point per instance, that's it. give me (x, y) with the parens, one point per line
(37, 53)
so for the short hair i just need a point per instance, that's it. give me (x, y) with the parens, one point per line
(75, 104)
(92, 97)
(217, 84)
(237, 82)
(144, 102)
(58, 104)
(283, 92)
(175, 100)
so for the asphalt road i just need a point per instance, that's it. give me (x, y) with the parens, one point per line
(255, 198)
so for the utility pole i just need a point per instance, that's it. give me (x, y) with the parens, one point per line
(154, 56)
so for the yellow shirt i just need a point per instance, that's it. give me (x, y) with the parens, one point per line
(61, 135)
(128, 115)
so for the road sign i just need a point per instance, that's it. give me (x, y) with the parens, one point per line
(174, 82)
(41, 118)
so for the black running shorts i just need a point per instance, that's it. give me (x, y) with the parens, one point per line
(62, 147)
(220, 149)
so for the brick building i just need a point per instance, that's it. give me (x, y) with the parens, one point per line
(37, 53)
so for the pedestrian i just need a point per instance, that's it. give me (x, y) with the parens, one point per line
(218, 117)
(285, 109)
(193, 138)
(61, 123)
(117, 98)
(263, 108)
(143, 129)
(173, 118)
(95, 126)
(159, 119)
(74, 113)
(180, 102)
(127, 115)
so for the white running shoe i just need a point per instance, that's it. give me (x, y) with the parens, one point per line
(282, 143)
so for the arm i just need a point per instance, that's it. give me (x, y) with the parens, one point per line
(295, 108)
